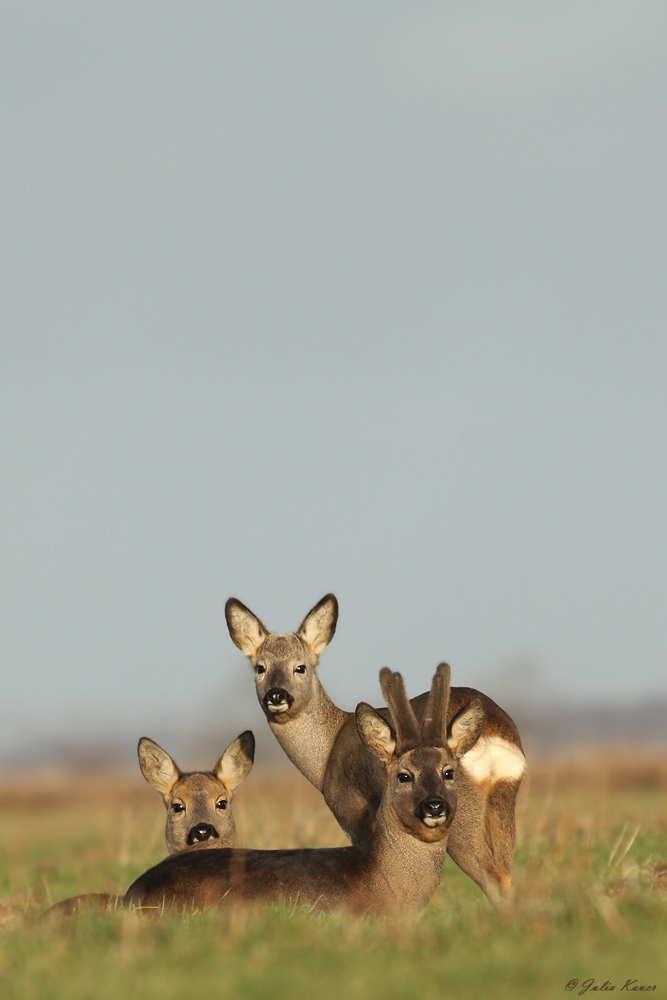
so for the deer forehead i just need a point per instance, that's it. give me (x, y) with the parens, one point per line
(199, 789)
(284, 650)
(423, 760)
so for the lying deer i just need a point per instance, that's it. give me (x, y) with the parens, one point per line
(397, 868)
(198, 806)
(324, 744)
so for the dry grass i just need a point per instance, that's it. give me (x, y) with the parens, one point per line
(591, 870)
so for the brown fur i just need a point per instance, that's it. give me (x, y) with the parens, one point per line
(398, 868)
(200, 793)
(322, 741)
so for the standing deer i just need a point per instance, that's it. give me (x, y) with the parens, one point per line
(198, 806)
(397, 868)
(323, 742)
(198, 803)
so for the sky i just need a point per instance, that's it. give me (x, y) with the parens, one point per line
(297, 298)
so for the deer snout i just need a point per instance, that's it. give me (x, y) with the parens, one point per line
(202, 832)
(278, 700)
(434, 812)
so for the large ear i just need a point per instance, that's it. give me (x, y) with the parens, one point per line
(466, 727)
(374, 732)
(318, 627)
(236, 761)
(157, 767)
(246, 629)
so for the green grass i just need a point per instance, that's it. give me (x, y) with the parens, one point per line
(592, 901)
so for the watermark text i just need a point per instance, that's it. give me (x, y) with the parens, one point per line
(629, 986)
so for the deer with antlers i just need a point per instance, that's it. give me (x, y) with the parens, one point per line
(324, 743)
(397, 868)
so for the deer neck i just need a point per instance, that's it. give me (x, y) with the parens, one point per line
(308, 738)
(405, 869)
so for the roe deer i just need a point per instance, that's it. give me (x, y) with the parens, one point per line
(198, 803)
(198, 807)
(322, 741)
(399, 867)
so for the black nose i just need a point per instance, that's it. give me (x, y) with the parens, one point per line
(278, 696)
(204, 831)
(434, 808)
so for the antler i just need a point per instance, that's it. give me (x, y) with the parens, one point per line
(434, 726)
(403, 716)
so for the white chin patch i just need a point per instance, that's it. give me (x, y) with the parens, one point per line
(278, 709)
(434, 820)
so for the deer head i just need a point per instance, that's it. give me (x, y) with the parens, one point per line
(198, 804)
(285, 676)
(421, 761)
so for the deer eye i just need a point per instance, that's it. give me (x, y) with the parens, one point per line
(300, 669)
(404, 777)
(178, 807)
(448, 775)
(222, 804)
(260, 669)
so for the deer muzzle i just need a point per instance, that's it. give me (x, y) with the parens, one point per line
(278, 700)
(202, 832)
(435, 812)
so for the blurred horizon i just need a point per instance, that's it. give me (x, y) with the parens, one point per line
(197, 740)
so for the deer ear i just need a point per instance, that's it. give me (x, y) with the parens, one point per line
(157, 767)
(318, 627)
(236, 761)
(374, 732)
(246, 629)
(466, 727)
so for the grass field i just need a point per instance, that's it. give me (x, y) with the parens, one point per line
(591, 872)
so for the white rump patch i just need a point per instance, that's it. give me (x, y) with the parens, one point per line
(493, 759)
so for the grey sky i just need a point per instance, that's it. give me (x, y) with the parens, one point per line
(356, 297)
